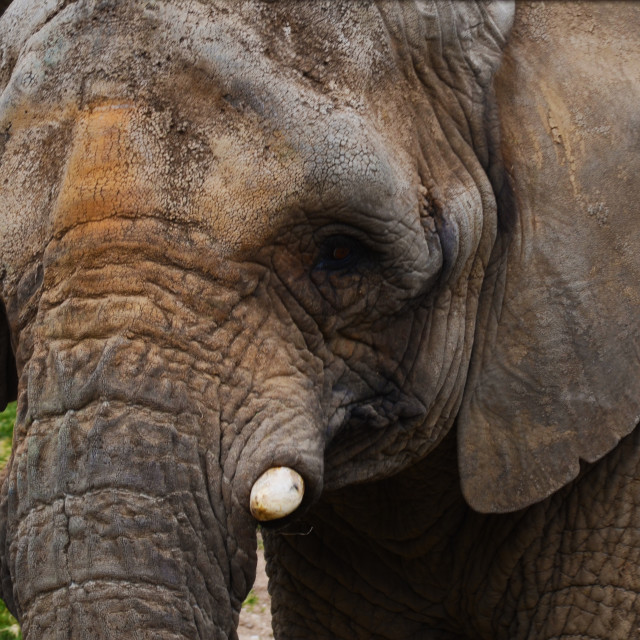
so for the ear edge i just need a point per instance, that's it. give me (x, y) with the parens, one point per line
(490, 484)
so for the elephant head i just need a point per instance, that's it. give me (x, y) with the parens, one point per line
(245, 236)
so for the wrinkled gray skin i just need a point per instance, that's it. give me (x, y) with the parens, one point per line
(391, 245)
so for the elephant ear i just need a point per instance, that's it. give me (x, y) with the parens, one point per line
(8, 375)
(555, 373)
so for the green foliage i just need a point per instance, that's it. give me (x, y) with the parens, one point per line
(7, 419)
(249, 602)
(9, 628)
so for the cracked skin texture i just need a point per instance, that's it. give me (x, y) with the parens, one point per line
(390, 245)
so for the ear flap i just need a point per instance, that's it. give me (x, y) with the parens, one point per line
(8, 374)
(555, 374)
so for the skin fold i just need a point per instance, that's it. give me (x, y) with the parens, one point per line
(391, 246)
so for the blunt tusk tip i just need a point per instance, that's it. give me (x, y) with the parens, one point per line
(276, 493)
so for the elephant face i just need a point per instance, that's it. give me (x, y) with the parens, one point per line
(338, 231)
(238, 236)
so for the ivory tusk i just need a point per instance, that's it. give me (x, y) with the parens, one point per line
(276, 493)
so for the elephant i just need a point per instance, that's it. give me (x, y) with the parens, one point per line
(363, 273)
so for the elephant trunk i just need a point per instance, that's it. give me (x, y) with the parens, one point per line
(91, 567)
(118, 536)
(127, 502)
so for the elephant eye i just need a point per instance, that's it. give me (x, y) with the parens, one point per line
(340, 253)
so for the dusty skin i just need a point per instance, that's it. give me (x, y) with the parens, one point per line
(390, 245)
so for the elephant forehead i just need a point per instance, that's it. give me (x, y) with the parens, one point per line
(294, 142)
(197, 122)
(342, 45)
(236, 184)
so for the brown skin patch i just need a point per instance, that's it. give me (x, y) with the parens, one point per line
(106, 173)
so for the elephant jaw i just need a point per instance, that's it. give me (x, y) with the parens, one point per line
(277, 493)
